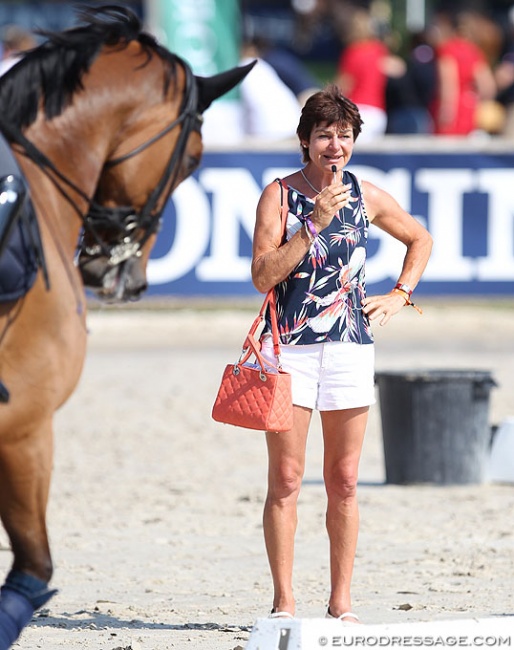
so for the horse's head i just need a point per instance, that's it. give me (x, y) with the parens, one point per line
(113, 120)
(117, 240)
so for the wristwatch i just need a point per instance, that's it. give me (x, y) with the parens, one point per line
(404, 287)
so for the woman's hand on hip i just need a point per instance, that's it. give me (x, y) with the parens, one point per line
(383, 306)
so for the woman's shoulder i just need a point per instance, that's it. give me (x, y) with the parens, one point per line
(280, 190)
(294, 185)
(272, 191)
(292, 180)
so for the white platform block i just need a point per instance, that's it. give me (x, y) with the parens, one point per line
(325, 634)
(501, 460)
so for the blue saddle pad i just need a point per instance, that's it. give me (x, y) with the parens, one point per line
(22, 256)
(19, 261)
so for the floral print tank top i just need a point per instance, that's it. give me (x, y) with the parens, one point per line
(321, 299)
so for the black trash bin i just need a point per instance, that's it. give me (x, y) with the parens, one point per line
(435, 425)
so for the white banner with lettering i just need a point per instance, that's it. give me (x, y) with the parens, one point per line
(465, 200)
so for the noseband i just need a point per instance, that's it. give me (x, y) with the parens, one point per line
(126, 223)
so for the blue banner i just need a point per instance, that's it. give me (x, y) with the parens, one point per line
(466, 200)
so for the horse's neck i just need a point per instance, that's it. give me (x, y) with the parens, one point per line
(74, 146)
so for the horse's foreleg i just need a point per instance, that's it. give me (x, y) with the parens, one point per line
(25, 468)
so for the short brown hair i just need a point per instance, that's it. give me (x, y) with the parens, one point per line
(331, 107)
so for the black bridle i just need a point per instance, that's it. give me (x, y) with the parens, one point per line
(124, 221)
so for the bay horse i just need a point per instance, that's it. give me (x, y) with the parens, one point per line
(102, 124)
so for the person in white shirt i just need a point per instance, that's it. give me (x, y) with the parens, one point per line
(270, 108)
(15, 41)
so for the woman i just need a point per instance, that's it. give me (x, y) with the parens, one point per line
(327, 345)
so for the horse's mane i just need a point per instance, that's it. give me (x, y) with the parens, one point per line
(51, 73)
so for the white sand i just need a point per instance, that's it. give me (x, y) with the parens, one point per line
(155, 511)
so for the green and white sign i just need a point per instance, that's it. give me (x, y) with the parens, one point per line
(207, 34)
(204, 32)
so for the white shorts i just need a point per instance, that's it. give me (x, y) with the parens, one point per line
(328, 376)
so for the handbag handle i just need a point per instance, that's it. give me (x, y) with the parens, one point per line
(251, 346)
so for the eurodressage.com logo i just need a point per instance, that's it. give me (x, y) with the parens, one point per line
(421, 641)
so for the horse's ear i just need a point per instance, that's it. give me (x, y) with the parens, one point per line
(210, 88)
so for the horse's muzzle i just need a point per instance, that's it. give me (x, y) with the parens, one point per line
(120, 283)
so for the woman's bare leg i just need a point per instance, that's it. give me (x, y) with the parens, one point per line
(286, 457)
(343, 433)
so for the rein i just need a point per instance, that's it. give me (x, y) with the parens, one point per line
(145, 145)
(124, 218)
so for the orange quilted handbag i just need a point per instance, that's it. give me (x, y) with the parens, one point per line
(257, 395)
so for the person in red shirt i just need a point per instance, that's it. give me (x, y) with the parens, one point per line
(464, 77)
(363, 68)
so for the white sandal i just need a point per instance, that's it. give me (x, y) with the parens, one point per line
(274, 614)
(344, 616)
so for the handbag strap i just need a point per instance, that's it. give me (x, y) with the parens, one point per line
(250, 344)
(271, 296)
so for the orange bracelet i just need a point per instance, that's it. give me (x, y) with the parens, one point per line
(407, 299)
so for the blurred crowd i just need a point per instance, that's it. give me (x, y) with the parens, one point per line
(453, 77)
